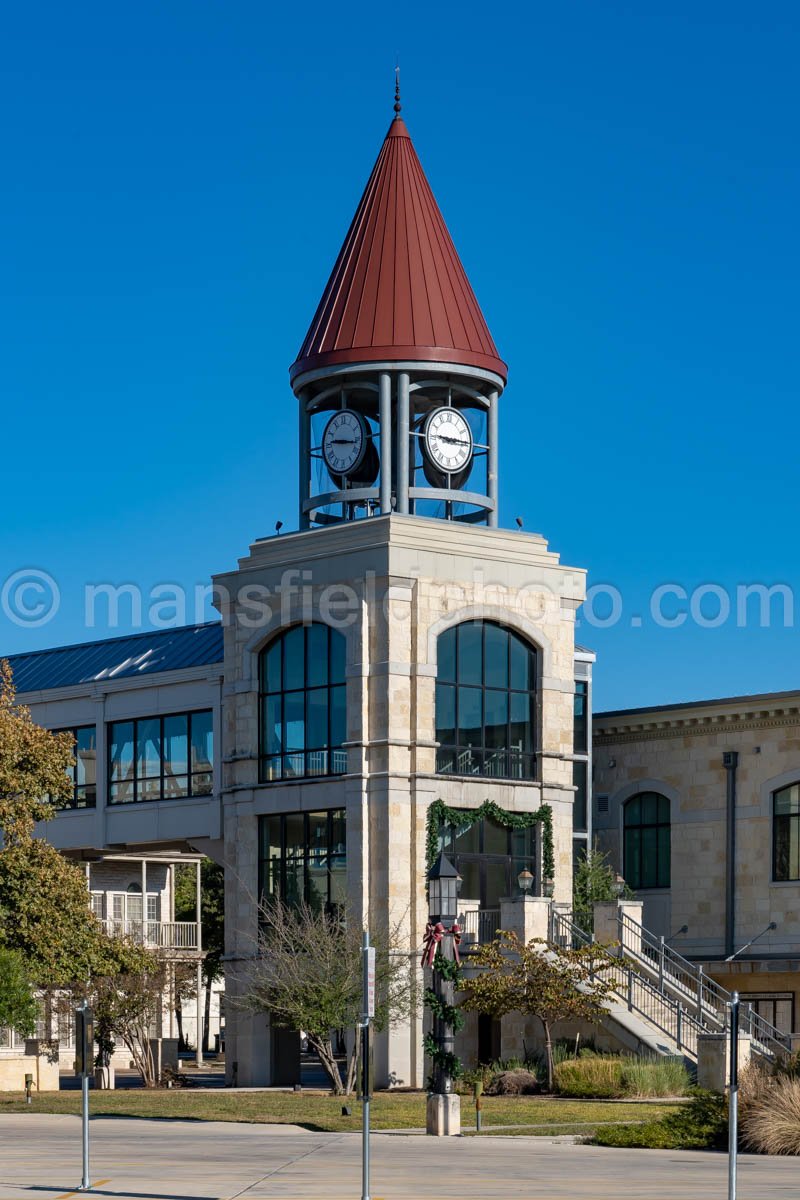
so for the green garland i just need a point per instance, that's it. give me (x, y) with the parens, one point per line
(448, 1061)
(440, 814)
(445, 1012)
(448, 968)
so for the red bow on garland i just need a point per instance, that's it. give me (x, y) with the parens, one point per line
(433, 936)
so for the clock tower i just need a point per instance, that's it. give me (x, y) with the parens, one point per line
(398, 378)
(399, 671)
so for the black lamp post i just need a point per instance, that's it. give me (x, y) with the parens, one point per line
(443, 884)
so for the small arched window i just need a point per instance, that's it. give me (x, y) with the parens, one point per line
(302, 690)
(485, 702)
(646, 827)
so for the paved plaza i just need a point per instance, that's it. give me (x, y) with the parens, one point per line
(186, 1160)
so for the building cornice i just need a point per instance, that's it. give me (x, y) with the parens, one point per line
(688, 723)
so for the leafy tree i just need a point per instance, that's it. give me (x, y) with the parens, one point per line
(126, 1000)
(44, 915)
(18, 1007)
(307, 975)
(537, 980)
(44, 912)
(212, 911)
(33, 765)
(594, 879)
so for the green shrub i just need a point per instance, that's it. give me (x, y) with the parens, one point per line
(589, 1078)
(654, 1077)
(700, 1125)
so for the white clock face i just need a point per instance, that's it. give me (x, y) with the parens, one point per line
(344, 442)
(448, 439)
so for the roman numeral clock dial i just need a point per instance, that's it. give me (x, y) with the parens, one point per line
(344, 442)
(448, 440)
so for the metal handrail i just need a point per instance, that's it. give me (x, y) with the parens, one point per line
(635, 990)
(709, 999)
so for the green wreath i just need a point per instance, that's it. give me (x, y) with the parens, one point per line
(440, 814)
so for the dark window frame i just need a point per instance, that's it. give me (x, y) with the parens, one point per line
(512, 858)
(635, 873)
(135, 779)
(332, 852)
(282, 765)
(784, 821)
(514, 764)
(78, 801)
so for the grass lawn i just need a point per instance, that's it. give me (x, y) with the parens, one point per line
(319, 1111)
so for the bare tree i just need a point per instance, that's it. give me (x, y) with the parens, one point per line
(307, 975)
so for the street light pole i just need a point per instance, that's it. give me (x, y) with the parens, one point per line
(733, 1099)
(367, 1013)
(444, 1105)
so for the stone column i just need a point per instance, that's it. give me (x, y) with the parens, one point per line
(714, 1059)
(609, 928)
(526, 916)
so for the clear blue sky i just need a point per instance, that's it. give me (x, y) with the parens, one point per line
(621, 181)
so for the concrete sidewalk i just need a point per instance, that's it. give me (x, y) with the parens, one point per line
(186, 1160)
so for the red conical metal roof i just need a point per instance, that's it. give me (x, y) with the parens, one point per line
(398, 291)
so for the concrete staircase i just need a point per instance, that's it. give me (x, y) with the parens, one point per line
(661, 1002)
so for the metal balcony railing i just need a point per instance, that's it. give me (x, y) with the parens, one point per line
(481, 924)
(161, 935)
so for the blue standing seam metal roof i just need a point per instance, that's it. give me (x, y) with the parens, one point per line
(137, 654)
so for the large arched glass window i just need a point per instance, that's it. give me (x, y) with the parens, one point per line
(302, 687)
(485, 702)
(647, 847)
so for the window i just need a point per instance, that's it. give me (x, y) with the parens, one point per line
(647, 841)
(485, 702)
(160, 758)
(489, 857)
(786, 833)
(124, 909)
(84, 774)
(581, 717)
(777, 1008)
(303, 725)
(580, 804)
(303, 857)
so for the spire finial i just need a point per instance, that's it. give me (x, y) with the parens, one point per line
(397, 104)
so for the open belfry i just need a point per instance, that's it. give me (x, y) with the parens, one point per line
(401, 655)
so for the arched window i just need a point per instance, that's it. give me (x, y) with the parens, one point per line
(786, 833)
(647, 841)
(485, 702)
(303, 704)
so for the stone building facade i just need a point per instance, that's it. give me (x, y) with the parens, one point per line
(392, 586)
(716, 858)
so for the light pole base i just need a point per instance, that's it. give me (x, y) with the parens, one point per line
(444, 1115)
